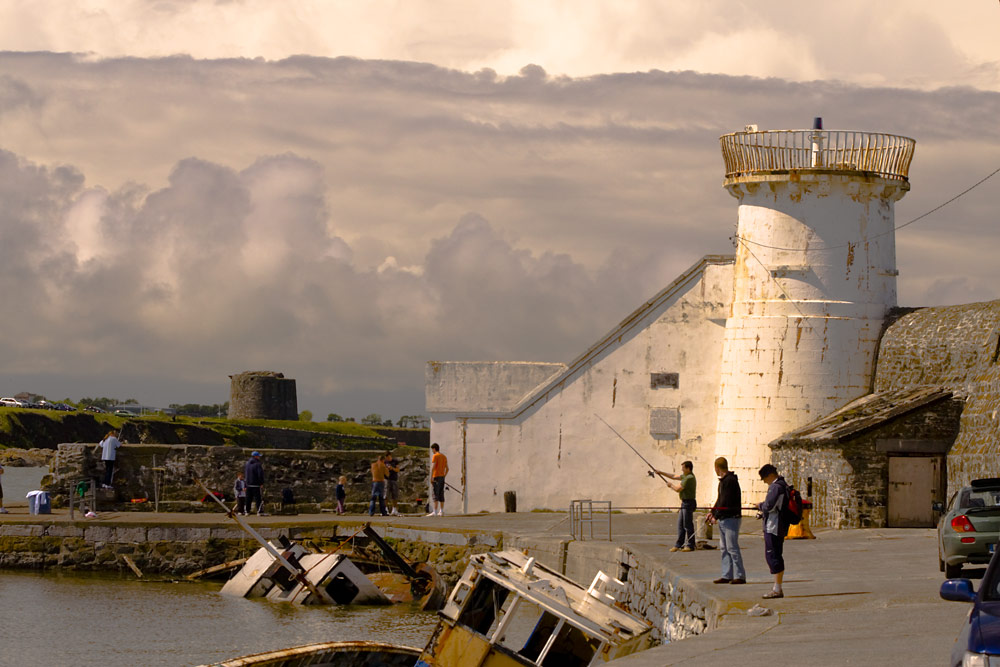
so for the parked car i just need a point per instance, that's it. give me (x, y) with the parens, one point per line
(64, 407)
(969, 530)
(94, 408)
(11, 403)
(978, 644)
(125, 413)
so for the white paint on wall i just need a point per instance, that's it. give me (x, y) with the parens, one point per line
(550, 447)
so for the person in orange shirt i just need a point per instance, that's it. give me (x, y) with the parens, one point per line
(379, 472)
(439, 468)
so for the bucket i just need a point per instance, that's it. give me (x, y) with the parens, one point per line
(39, 503)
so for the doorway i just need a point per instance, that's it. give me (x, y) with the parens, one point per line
(914, 483)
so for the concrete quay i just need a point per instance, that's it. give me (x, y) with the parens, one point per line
(852, 596)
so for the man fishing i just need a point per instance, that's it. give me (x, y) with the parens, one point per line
(687, 490)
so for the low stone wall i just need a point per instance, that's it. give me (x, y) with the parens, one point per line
(312, 475)
(178, 550)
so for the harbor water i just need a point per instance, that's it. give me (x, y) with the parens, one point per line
(78, 619)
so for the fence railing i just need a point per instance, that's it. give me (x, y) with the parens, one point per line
(887, 155)
(584, 514)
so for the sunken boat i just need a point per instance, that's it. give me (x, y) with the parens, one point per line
(507, 609)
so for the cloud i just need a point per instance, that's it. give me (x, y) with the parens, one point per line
(224, 270)
(920, 44)
(167, 222)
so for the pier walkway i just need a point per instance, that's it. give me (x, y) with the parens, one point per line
(852, 597)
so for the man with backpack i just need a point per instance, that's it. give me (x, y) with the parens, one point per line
(777, 515)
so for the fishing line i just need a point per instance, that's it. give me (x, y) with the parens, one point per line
(652, 470)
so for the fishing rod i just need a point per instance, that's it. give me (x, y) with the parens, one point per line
(652, 471)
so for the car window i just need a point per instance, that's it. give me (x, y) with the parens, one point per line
(971, 498)
(991, 586)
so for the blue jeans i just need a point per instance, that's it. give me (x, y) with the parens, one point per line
(685, 524)
(378, 492)
(729, 544)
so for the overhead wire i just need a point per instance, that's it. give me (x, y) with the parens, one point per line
(891, 231)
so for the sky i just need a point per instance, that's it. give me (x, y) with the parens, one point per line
(343, 191)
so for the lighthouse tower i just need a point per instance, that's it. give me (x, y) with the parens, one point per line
(815, 275)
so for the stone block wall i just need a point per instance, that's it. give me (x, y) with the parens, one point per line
(956, 347)
(312, 475)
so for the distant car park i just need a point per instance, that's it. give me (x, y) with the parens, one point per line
(969, 528)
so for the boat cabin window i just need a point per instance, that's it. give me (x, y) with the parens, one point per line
(539, 636)
(483, 606)
(341, 589)
(570, 647)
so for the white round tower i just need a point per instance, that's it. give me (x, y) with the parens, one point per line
(815, 275)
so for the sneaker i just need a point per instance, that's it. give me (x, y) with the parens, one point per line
(673, 549)
(687, 549)
(433, 514)
(772, 595)
(394, 512)
(721, 580)
(440, 512)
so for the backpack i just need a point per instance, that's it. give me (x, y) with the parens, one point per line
(792, 512)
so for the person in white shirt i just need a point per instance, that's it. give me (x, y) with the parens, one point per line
(109, 448)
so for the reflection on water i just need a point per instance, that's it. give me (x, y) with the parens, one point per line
(82, 619)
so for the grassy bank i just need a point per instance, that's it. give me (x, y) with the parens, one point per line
(25, 428)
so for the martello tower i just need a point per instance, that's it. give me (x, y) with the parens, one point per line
(815, 275)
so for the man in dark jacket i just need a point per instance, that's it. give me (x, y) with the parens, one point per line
(775, 525)
(727, 514)
(254, 474)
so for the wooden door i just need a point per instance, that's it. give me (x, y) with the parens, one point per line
(913, 485)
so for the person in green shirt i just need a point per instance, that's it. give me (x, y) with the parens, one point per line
(686, 488)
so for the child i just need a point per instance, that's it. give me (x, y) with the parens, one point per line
(341, 494)
(240, 488)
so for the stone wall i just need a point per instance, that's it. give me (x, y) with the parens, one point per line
(312, 475)
(165, 549)
(957, 348)
(850, 479)
(262, 395)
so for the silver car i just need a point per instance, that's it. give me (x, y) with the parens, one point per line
(970, 528)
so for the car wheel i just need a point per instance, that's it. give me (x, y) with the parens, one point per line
(952, 571)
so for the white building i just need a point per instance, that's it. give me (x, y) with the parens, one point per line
(731, 355)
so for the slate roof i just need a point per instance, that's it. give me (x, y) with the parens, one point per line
(863, 414)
